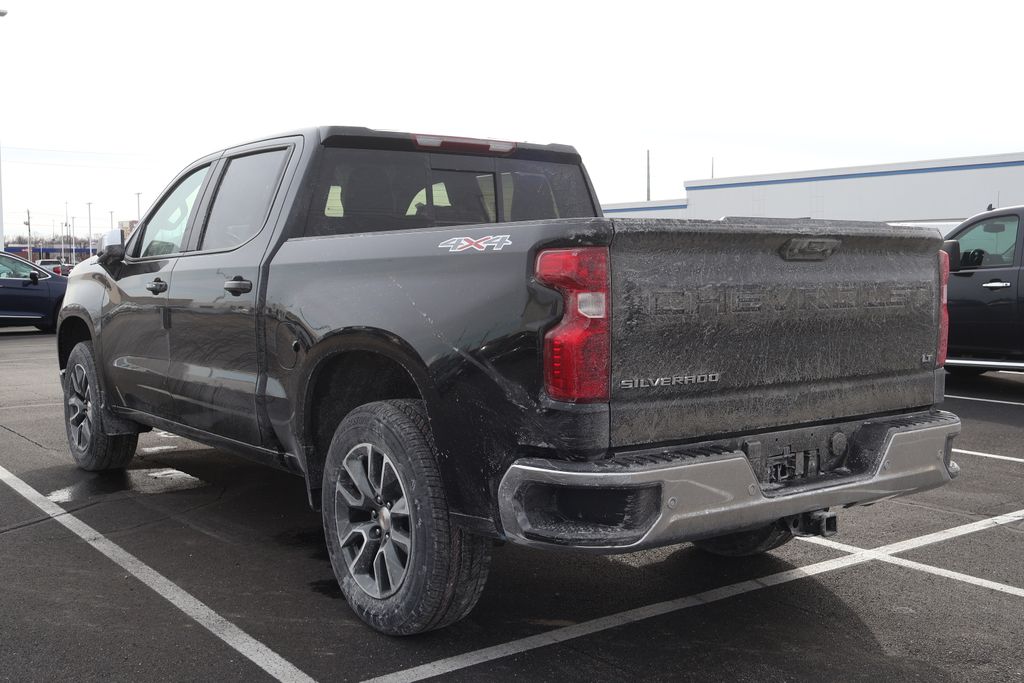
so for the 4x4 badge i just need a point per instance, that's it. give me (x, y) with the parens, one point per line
(495, 242)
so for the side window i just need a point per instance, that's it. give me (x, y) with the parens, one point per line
(990, 243)
(164, 231)
(13, 268)
(243, 199)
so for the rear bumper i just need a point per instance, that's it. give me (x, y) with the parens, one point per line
(985, 364)
(633, 502)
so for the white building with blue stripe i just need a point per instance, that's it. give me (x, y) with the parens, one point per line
(939, 192)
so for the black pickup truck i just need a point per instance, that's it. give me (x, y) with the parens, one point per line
(986, 294)
(453, 347)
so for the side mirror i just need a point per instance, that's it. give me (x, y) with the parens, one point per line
(952, 249)
(34, 277)
(111, 248)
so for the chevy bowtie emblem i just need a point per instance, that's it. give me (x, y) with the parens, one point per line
(808, 249)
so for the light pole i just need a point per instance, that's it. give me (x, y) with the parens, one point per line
(111, 220)
(28, 222)
(138, 209)
(89, 244)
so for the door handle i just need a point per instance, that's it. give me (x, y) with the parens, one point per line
(156, 286)
(238, 286)
(996, 284)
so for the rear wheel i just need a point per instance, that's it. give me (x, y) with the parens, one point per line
(91, 447)
(746, 543)
(403, 567)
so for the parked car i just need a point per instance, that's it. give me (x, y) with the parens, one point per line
(986, 294)
(53, 265)
(29, 294)
(451, 345)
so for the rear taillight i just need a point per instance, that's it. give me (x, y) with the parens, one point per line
(577, 351)
(56, 270)
(943, 346)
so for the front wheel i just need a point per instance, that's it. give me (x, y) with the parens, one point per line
(403, 567)
(747, 543)
(91, 447)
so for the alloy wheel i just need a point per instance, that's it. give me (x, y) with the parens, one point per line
(80, 408)
(374, 520)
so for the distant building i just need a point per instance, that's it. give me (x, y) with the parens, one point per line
(939, 192)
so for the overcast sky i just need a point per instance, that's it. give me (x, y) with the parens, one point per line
(100, 100)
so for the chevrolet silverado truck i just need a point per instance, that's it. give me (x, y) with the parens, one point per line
(986, 294)
(450, 344)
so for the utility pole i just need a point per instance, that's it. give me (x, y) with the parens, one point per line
(111, 220)
(63, 231)
(648, 175)
(138, 207)
(28, 222)
(712, 167)
(89, 206)
(72, 239)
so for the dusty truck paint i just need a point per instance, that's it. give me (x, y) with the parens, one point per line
(303, 299)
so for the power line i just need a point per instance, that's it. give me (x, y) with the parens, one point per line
(73, 151)
(52, 163)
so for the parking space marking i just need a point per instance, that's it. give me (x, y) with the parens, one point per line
(258, 653)
(919, 566)
(986, 400)
(32, 405)
(560, 635)
(988, 455)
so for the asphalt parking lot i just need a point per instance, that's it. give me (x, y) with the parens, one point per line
(196, 564)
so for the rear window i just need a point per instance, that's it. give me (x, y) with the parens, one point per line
(362, 190)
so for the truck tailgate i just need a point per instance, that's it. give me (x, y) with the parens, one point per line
(744, 324)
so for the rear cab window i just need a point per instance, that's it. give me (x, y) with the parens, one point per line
(364, 190)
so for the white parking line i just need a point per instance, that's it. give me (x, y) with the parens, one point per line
(560, 635)
(986, 400)
(246, 645)
(919, 566)
(31, 405)
(988, 455)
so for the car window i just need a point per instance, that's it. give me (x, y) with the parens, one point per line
(11, 268)
(164, 231)
(990, 243)
(456, 198)
(243, 199)
(533, 190)
(359, 190)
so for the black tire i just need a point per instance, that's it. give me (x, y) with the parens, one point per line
(963, 371)
(746, 543)
(445, 567)
(91, 447)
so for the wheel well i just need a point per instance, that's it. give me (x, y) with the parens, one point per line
(72, 331)
(343, 383)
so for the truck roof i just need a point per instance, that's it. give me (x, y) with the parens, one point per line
(357, 136)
